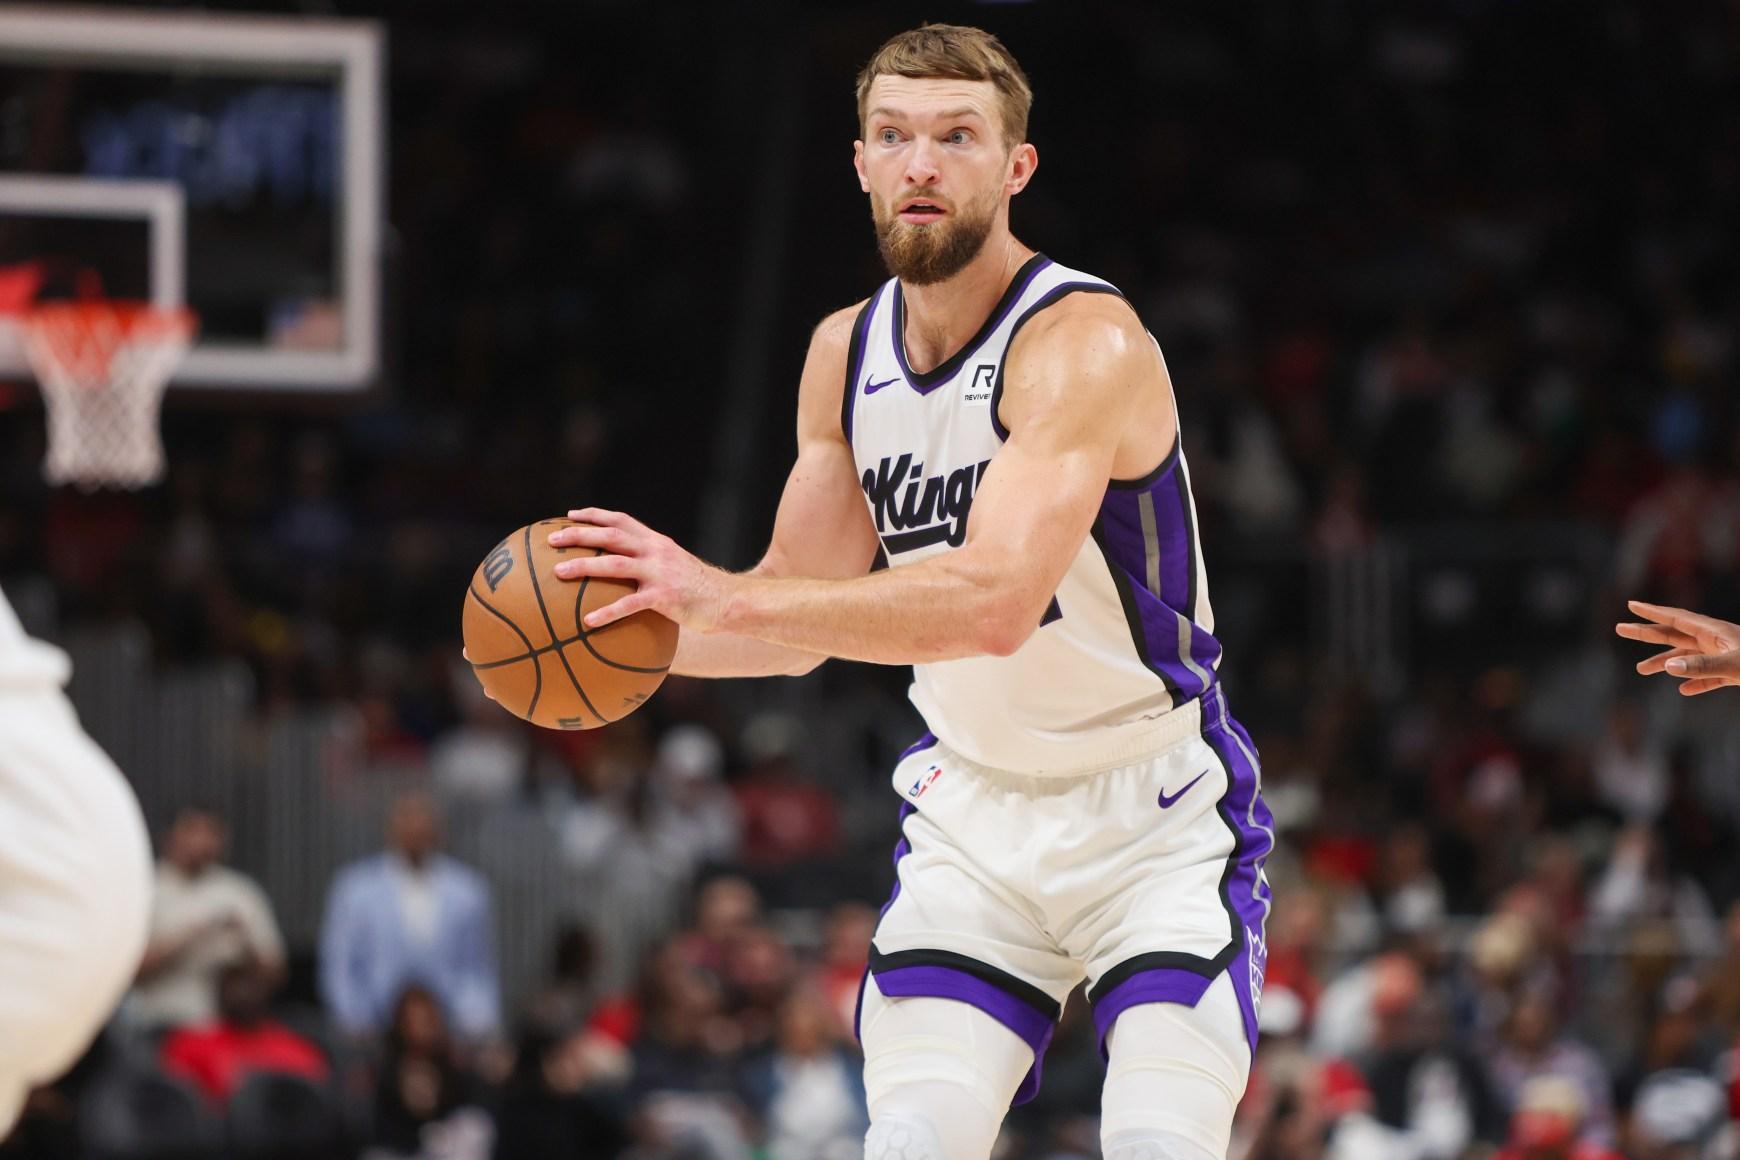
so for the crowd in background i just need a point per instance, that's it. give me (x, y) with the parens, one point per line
(1448, 299)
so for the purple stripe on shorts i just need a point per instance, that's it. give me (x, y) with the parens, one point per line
(1246, 894)
(1160, 985)
(936, 982)
(901, 850)
(925, 742)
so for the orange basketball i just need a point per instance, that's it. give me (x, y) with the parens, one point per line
(524, 637)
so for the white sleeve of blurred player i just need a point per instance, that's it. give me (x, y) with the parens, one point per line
(75, 873)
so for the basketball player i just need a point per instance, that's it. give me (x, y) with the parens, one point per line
(1703, 651)
(75, 874)
(1083, 806)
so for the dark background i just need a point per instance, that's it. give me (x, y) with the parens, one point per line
(1448, 295)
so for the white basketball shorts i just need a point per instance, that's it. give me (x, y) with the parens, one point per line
(1146, 880)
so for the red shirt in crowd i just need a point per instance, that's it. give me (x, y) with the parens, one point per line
(219, 1056)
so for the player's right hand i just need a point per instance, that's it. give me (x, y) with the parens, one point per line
(1702, 650)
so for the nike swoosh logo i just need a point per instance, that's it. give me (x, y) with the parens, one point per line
(1169, 800)
(871, 388)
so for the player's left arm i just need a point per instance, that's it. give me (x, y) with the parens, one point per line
(1073, 382)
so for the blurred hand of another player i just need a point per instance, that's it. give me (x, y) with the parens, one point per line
(669, 580)
(1701, 649)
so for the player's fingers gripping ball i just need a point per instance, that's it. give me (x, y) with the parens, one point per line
(527, 645)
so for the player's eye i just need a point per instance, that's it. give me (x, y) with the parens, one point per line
(888, 136)
(959, 137)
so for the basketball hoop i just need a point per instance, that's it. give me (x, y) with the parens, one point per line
(102, 366)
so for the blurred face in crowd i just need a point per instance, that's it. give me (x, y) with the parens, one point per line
(803, 1024)
(726, 908)
(417, 1022)
(196, 841)
(1532, 1023)
(938, 171)
(414, 830)
(242, 996)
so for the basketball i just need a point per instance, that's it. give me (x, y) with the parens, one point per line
(524, 637)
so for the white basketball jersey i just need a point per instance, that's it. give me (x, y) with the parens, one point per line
(1128, 637)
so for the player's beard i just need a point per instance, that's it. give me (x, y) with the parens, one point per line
(923, 255)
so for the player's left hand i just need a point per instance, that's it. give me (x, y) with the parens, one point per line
(1701, 649)
(670, 581)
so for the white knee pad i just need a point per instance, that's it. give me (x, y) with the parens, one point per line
(903, 1137)
(939, 1075)
(1174, 1077)
(1157, 1146)
(911, 1043)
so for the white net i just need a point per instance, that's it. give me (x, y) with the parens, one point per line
(102, 367)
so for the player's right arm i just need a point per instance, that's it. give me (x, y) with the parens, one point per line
(822, 530)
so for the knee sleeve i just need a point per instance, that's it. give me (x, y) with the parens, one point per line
(899, 1136)
(1157, 1146)
(1174, 1077)
(939, 1074)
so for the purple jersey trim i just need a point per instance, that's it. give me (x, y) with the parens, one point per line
(925, 383)
(1158, 618)
(927, 981)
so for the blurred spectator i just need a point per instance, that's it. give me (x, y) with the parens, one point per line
(571, 992)
(1422, 1084)
(1549, 1124)
(685, 1072)
(485, 757)
(1680, 1115)
(1631, 773)
(727, 908)
(695, 818)
(1722, 978)
(426, 1106)
(807, 1090)
(845, 955)
(243, 1039)
(1533, 1047)
(564, 1099)
(1640, 882)
(204, 917)
(410, 915)
(785, 818)
(758, 974)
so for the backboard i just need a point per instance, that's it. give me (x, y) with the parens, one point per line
(234, 163)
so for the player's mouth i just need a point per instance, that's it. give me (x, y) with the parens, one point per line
(921, 212)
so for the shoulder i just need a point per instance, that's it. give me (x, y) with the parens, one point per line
(831, 342)
(822, 388)
(1082, 324)
(835, 331)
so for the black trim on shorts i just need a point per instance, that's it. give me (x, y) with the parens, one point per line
(1014, 987)
(1209, 969)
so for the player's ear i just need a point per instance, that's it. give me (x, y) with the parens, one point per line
(858, 164)
(1023, 160)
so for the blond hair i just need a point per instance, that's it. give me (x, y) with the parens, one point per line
(954, 52)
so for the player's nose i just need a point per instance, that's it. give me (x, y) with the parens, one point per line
(921, 163)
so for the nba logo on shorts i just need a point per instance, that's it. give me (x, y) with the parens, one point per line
(923, 783)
